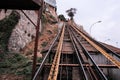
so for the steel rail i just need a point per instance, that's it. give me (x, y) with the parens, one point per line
(77, 54)
(91, 78)
(100, 44)
(55, 65)
(109, 57)
(107, 49)
(46, 56)
(66, 67)
(102, 76)
(81, 55)
(61, 67)
(90, 68)
(92, 72)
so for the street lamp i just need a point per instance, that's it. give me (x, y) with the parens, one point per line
(93, 25)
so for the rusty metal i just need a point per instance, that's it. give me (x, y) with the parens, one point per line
(62, 68)
(46, 56)
(107, 49)
(36, 4)
(74, 42)
(109, 57)
(91, 78)
(84, 65)
(92, 73)
(98, 70)
(36, 39)
(36, 46)
(55, 65)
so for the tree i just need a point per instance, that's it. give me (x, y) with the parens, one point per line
(71, 12)
(61, 17)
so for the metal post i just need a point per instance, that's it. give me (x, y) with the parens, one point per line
(36, 39)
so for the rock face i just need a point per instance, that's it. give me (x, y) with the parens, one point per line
(23, 33)
(2, 14)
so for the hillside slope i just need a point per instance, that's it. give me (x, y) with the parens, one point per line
(16, 55)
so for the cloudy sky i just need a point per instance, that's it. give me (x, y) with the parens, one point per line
(91, 11)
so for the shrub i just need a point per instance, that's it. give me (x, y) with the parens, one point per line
(6, 26)
(49, 32)
(62, 18)
(44, 44)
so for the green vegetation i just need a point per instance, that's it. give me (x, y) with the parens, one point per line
(29, 52)
(15, 63)
(11, 63)
(62, 18)
(39, 60)
(71, 12)
(6, 26)
(52, 17)
(44, 44)
(49, 32)
(44, 19)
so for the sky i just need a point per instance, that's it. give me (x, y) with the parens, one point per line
(91, 11)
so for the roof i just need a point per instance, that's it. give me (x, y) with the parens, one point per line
(20, 4)
(51, 2)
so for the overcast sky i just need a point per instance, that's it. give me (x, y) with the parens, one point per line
(91, 11)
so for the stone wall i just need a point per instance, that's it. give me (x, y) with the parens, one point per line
(2, 14)
(23, 33)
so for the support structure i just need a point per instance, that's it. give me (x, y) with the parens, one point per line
(36, 39)
(27, 5)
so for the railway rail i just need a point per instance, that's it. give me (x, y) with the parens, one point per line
(69, 58)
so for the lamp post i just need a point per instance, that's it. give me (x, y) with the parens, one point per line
(93, 25)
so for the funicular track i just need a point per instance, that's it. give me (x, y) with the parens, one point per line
(89, 73)
(99, 48)
(76, 63)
